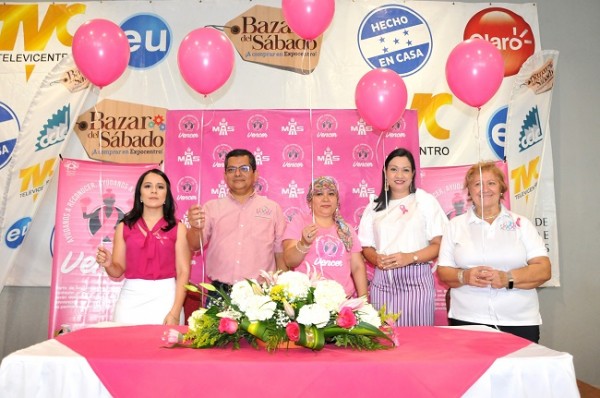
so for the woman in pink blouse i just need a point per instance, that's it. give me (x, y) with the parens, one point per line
(323, 242)
(151, 251)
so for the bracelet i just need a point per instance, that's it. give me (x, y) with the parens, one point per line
(460, 276)
(306, 248)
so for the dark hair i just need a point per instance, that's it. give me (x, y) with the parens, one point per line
(384, 198)
(138, 207)
(241, 152)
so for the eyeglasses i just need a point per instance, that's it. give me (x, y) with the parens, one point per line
(243, 169)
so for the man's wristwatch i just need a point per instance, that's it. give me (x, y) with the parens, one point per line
(511, 281)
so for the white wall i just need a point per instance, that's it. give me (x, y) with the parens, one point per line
(570, 313)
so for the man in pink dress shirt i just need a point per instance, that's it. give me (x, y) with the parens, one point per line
(242, 231)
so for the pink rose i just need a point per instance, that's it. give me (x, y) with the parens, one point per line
(171, 338)
(228, 325)
(346, 318)
(293, 331)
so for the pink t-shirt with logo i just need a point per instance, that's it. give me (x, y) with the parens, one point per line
(327, 254)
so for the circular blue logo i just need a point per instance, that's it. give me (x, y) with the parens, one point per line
(9, 127)
(149, 40)
(496, 131)
(395, 37)
(16, 232)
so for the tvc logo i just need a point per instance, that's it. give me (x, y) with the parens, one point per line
(36, 36)
(35, 178)
(525, 178)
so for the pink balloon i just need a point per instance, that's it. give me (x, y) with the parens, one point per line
(381, 97)
(205, 59)
(474, 71)
(308, 18)
(101, 51)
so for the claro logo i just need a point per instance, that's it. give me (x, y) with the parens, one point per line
(36, 35)
(508, 31)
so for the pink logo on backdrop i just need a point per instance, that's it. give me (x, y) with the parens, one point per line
(358, 213)
(361, 128)
(328, 158)
(327, 126)
(219, 153)
(103, 219)
(189, 125)
(363, 190)
(398, 130)
(362, 155)
(293, 191)
(257, 125)
(261, 157)
(223, 128)
(188, 158)
(220, 191)
(293, 156)
(187, 188)
(291, 212)
(292, 127)
(261, 186)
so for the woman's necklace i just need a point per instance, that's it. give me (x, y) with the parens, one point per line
(488, 217)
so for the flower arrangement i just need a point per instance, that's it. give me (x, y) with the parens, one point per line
(287, 308)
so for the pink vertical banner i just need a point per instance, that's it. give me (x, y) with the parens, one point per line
(92, 199)
(446, 184)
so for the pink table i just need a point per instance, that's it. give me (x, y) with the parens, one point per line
(428, 362)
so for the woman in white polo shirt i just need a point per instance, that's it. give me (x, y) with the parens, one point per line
(493, 259)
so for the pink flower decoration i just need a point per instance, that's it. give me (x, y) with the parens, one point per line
(228, 325)
(293, 331)
(346, 318)
(171, 337)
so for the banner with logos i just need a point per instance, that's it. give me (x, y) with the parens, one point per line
(528, 149)
(92, 199)
(61, 97)
(274, 69)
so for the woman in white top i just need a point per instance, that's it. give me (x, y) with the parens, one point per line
(400, 232)
(493, 259)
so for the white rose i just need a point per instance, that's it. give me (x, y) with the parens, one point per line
(369, 314)
(314, 314)
(296, 284)
(194, 319)
(260, 308)
(330, 294)
(241, 292)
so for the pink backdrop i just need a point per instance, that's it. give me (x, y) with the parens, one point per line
(92, 197)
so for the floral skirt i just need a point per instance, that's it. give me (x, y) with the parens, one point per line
(408, 291)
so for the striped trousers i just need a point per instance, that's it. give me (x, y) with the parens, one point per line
(408, 291)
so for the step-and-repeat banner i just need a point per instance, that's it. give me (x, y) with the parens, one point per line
(126, 122)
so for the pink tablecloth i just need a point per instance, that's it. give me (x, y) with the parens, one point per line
(429, 362)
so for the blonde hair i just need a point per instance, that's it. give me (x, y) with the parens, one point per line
(490, 166)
